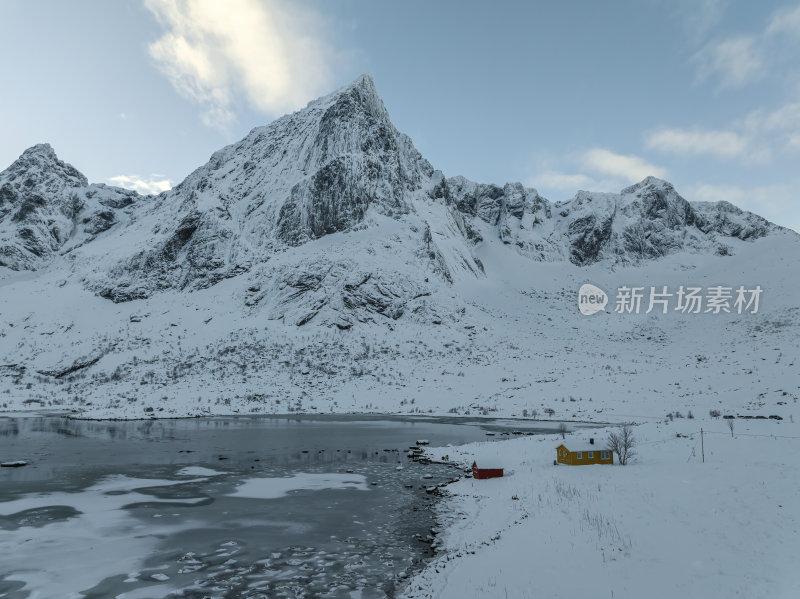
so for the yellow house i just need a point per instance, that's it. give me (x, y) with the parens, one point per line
(592, 455)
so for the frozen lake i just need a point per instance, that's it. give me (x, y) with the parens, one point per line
(219, 507)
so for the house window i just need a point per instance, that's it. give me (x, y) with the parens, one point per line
(580, 455)
(591, 455)
(604, 455)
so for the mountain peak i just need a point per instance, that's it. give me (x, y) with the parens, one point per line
(43, 150)
(649, 181)
(363, 84)
(357, 97)
(363, 81)
(39, 163)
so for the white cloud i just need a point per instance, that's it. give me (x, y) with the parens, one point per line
(627, 168)
(751, 140)
(779, 203)
(145, 185)
(557, 185)
(597, 169)
(735, 62)
(785, 21)
(740, 60)
(722, 144)
(785, 119)
(697, 16)
(779, 129)
(268, 52)
(563, 181)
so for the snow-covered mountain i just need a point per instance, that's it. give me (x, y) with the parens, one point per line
(323, 251)
(47, 207)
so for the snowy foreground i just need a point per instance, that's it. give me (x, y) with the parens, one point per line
(666, 525)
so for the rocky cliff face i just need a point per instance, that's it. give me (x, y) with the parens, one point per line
(307, 175)
(46, 204)
(649, 220)
(337, 170)
(519, 215)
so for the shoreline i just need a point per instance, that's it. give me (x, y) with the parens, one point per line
(459, 418)
(633, 529)
(410, 523)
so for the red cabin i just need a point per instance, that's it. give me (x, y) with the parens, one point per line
(481, 473)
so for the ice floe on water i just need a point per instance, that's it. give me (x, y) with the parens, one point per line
(198, 471)
(49, 539)
(85, 537)
(140, 521)
(273, 488)
(151, 592)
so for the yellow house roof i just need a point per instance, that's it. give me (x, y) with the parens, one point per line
(584, 449)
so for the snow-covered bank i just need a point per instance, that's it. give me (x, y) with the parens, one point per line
(667, 525)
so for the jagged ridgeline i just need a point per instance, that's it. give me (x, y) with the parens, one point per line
(330, 215)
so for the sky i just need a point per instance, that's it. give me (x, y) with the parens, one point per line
(559, 95)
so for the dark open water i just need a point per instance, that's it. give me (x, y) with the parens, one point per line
(218, 507)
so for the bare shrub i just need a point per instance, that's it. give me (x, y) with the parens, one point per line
(622, 443)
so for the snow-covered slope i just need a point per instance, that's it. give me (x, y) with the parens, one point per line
(709, 518)
(322, 263)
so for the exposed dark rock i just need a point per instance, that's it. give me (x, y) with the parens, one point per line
(77, 365)
(588, 238)
(99, 222)
(728, 220)
(332, 201)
